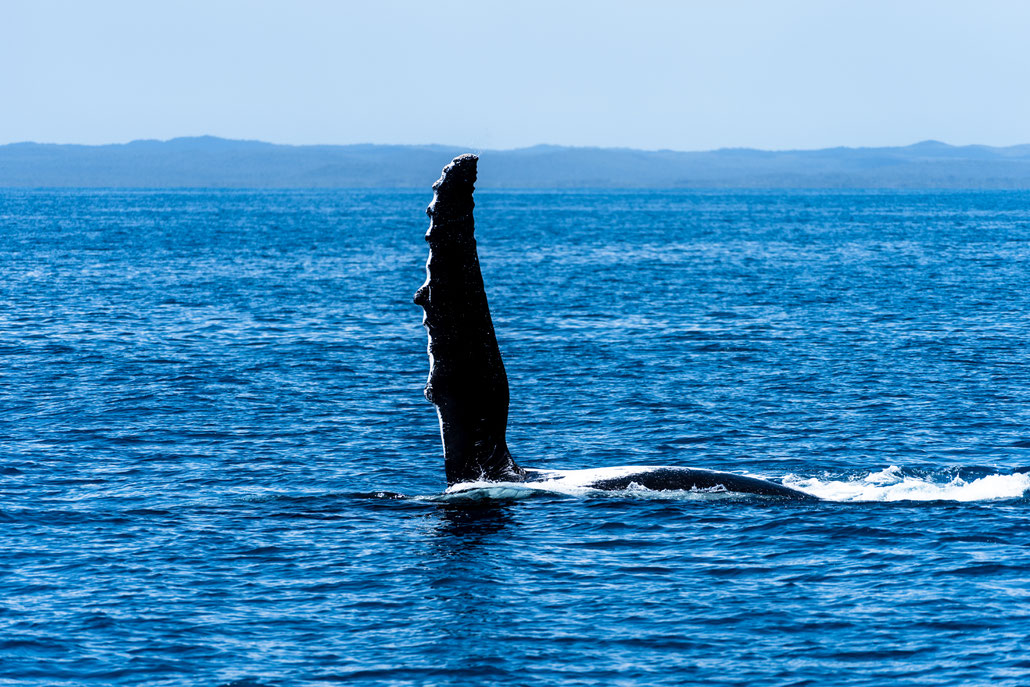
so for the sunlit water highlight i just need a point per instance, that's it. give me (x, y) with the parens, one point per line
(217, 468)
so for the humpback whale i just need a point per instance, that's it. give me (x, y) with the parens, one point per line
(467, 382)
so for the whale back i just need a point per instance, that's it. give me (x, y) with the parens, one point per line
(467, 382)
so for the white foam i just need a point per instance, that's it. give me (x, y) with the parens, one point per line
(576, 483)
(891, 484)
(569, 482)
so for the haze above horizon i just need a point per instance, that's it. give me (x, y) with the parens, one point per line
(657, 75)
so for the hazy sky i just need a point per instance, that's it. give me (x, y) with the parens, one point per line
(680, 75)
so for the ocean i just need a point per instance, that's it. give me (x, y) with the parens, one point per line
(217, 466)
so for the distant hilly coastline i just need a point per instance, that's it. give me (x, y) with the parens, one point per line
(209, 162)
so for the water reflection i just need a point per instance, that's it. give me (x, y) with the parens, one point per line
(468, 587)
(469, 526)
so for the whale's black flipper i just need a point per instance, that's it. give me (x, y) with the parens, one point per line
(467, 382)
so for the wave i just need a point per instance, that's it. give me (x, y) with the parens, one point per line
(897, 484)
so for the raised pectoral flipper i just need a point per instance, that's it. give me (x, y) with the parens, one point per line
(467, 382)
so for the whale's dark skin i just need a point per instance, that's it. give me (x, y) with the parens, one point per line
(467, 382)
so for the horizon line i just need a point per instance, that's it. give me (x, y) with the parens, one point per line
(210, 137)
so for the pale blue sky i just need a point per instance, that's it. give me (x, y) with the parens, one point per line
(680, 75)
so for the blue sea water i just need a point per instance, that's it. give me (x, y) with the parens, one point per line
(217, 467)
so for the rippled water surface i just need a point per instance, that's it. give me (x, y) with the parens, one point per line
(217, 467)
